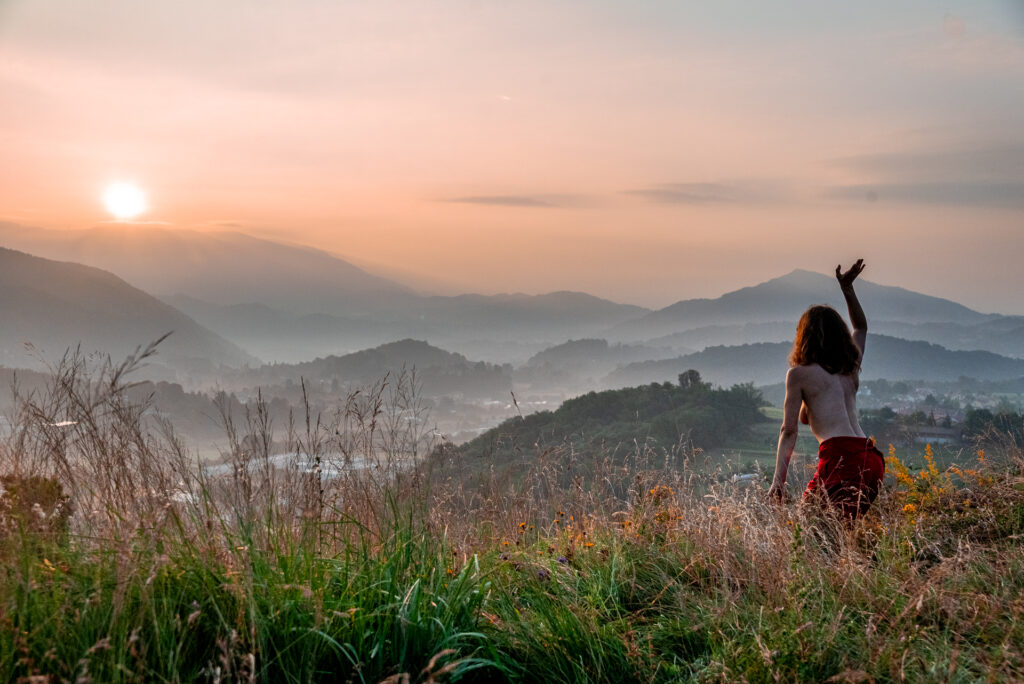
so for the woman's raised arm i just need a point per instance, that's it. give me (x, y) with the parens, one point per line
(857, 317)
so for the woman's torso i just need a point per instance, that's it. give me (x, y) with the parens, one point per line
(831, 401)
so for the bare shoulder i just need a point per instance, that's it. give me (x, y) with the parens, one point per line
(797, 376)
(811, 378)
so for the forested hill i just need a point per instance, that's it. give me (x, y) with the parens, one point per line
(661, 415)
(765, 363)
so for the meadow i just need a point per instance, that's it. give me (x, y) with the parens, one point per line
(122, 561)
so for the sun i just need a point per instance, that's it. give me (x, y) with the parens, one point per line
(124, 200)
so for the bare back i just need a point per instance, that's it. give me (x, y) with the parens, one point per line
(825, 401)
(830, 402)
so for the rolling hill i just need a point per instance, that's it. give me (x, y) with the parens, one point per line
(766, 363)
(55, 305)
(440, 372)
(290, 303)
(222, 267)
(591, 434)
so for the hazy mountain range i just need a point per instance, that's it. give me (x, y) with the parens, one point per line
(55, 305)
(220, 267)
(236, 297)
(766, 363)
(768, 312)
(786, 297)
(289, 303)
(438, 372)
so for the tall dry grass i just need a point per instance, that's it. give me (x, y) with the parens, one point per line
(346, 546)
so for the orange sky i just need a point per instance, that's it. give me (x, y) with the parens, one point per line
(643, 152)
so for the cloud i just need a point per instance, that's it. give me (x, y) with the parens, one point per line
(990, 175)
(998, 195)
(505, 201)
(990, 162)
(954, 26)
(707, 193)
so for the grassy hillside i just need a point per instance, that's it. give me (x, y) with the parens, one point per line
(122, 563)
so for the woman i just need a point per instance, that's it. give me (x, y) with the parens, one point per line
(821, 391)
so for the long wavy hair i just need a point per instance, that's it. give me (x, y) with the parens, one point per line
(823, 338)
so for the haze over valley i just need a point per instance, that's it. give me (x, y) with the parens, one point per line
(249, 317)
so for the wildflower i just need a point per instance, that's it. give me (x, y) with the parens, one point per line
(562, 559)
(588, 544)
(910, 508)
(504, 543)
(932, 470)
(544, 574)
(981, 455)
(522, 526)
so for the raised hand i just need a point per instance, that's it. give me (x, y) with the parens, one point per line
(846, 279)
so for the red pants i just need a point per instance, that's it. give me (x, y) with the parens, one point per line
(849, 474)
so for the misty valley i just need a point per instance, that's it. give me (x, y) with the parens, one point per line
(476, 362)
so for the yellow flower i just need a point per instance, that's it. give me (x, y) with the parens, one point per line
(909, 508)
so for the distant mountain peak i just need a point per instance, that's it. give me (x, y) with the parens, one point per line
(57, 305)
(785, 297)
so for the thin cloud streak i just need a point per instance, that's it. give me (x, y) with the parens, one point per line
(990, 175)
(505, 201)
(706, 193)
(995, 161)
(992, 195)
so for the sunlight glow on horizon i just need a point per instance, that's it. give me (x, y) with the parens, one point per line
(124, 200)
(666, 151)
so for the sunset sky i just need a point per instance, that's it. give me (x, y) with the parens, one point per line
(642, 151)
